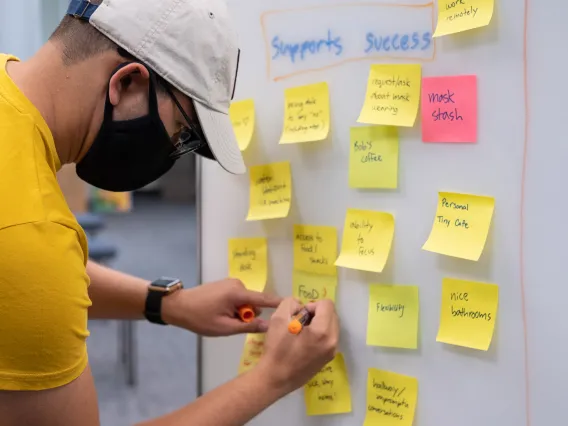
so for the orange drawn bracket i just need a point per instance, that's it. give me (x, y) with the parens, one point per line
(348, 60)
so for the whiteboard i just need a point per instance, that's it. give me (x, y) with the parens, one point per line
(520, 159)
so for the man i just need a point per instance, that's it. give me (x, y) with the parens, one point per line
(123, 88)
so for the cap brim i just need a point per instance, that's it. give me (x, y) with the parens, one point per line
(218, 131)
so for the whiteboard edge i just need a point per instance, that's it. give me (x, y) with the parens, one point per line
(199, 269)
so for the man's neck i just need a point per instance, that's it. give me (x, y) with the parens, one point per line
(67, 97)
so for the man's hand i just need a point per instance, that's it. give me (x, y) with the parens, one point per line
(289, 360)
(212, 309)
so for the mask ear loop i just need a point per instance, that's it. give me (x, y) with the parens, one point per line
(152, 95)
(153, 109)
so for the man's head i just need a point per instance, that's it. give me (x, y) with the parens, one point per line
(174, 66)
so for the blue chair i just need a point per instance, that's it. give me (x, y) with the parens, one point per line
(104, 252)
(101, 251)
(91, 223)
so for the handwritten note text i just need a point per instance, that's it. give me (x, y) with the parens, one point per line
(393, 316)
(242, 116)
(468, 313)
(391, 399)
(252, 351)
(308, 287)
(393, 95)
(270, 191)
(367, 240)
(461, 225)
(306, 114)
(315, 249)
(373, 161)
(328, 392)
(460, 15)
(248, 262)
(449, 109)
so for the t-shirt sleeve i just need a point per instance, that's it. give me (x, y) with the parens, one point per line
(43, 306)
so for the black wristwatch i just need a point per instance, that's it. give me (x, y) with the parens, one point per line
(156, 291)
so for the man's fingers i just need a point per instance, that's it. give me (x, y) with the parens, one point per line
(324, 307)
(323, 312)
(311, 307)
(288, 307)
(258, 325)
(324, 327)
(255, 298)
(260, 300)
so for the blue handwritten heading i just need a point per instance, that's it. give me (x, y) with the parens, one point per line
(299, 51)
(396, 41)
(307, 47)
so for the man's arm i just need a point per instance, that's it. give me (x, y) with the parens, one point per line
(115, 295)
(208, 310)
(74, 404)
(289, 361)
(232, 404)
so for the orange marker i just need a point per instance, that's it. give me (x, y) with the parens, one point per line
(299, 321)
(247, 314)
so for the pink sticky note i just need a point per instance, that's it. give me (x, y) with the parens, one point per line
(449, 109)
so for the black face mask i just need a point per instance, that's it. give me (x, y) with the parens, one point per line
(128, 155)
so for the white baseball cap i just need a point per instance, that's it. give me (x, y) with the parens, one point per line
(189, 43)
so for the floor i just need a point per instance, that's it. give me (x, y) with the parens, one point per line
(155, 239)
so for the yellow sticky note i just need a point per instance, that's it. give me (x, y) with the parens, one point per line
(306, 114)
(311, 287)
(248, 262)
(393, 316)
(328, 392)
(391, 399)
(455, 16)
(461, 225)
(393, 95)
(315, 249)
(373, 160)
(270, 191)
(367, 240)
(242, 116)
(252, 351)
(107, 201)
(468, 313)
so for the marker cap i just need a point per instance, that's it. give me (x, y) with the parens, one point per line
(295, 326)
(246, 313)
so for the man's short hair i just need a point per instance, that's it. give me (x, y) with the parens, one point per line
(81, 41)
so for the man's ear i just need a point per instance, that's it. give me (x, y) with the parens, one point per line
(124, 77)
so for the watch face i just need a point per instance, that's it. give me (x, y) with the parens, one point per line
(163, 282)
(166, 284)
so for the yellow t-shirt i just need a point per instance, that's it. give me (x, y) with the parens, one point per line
(43, 253)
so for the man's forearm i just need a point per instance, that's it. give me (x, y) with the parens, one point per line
(115, 295)
(232, 404)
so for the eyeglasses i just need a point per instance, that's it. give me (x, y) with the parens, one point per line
(189, 138)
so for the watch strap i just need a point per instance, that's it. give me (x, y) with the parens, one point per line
(153, 311)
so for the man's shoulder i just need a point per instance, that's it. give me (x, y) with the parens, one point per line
(10, 95)
(45, 244)
(5, 57)
(15, 121)
(45, 301)
(28, 180)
